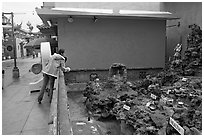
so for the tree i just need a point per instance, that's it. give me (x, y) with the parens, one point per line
(30, 27)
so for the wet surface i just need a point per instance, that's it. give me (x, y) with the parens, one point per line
(76, 106)
(21, 114)
(94, 126)
(85, 128)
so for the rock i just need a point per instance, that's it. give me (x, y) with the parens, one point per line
(195, 131)
(198, 113)
(129, 84)
(158, 119)
(143, 91)
(150, 128)
(189, 72)
(146, 119)
(152, 107)
(179, 110)
(177, 91)
(169, 111)
(150, 87)
(186, 130)
(145, 83)
(162, 131)
(170, 102)
(176, 116)
(196, 84)
(177, 85)
(184, 79)
(122, 115)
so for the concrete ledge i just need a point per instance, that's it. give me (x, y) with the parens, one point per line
(82, 75)
(53, 117)
(63, 108)
(59, 122)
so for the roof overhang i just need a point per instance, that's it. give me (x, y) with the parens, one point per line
(48, 14)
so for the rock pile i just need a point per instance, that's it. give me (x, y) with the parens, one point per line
(167, 103)
(192, 60)
(148, 110)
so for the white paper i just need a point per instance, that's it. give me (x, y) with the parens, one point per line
(126, 107)
(153, 96)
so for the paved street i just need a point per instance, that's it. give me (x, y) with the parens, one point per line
(21, 114)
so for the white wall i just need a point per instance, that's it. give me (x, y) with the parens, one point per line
(137, 43)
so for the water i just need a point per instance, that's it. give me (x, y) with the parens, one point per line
(78, 113)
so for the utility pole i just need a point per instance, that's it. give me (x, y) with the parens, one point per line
(16, 73)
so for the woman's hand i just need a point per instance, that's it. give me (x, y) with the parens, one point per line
(67, 69)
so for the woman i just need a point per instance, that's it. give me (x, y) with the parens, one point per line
(50, 72)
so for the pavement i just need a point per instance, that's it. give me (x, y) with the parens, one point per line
(21, 113)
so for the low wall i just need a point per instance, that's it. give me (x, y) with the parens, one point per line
(59, 122)
(53, 116)
(81, 76)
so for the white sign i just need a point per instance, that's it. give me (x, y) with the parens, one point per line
(184, 79)
(80, 123)
(148, 104)
(126, 107)
(168, 91)
(153, 96)
(45, 53)
(176, 126)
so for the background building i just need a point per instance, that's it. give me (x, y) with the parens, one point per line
(21, 38)
(189, 13)
(134, 39)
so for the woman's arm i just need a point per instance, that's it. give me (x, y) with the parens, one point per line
(63, 68)
(57, 57)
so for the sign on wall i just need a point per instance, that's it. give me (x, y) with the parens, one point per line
(9, 47)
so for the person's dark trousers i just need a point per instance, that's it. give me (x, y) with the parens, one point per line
(52, 83)
(46, 79)
(3, 72)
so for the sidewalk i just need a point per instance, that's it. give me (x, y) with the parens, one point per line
(21, 114)
(8, 66)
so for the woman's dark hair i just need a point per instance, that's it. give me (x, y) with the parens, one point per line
(65, 59)
(61, 51)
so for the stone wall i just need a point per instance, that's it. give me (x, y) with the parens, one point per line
(81, 76)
